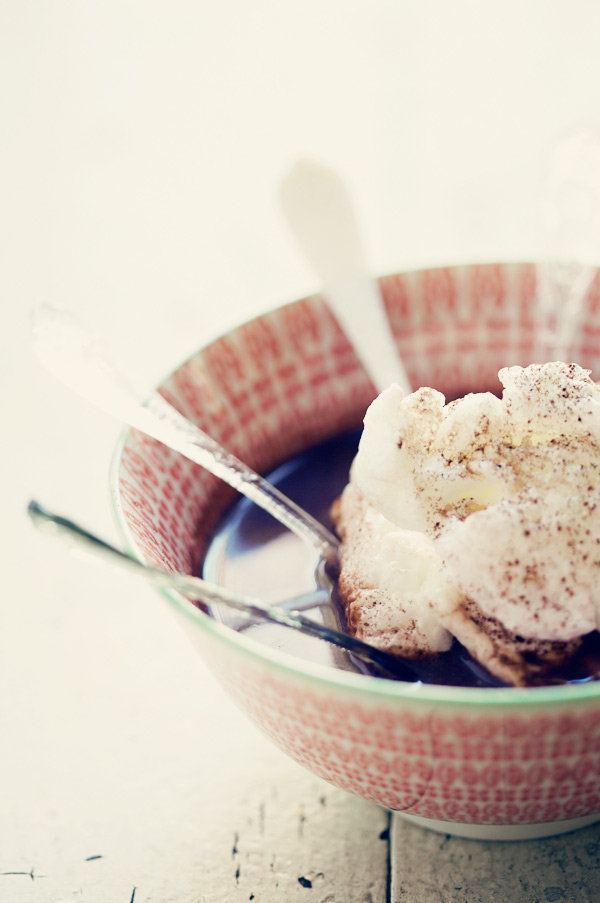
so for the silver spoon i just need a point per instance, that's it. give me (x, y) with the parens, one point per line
(319, 211)
(199, 589)
(65, 349)
(570, 224)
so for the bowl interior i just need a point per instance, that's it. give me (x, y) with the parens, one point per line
(289, 379)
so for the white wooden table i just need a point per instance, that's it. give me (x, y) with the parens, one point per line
(141, 149)
(129, 775)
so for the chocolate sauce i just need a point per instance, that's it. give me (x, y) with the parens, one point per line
(255, 555)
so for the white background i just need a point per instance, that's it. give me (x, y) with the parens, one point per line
(141, 148)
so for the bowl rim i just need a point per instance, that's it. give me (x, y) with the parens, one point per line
(384, 689)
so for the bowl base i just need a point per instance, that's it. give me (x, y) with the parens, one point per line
(500, 832)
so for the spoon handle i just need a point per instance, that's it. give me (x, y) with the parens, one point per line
(319, 211)
(68, 352)
(570, 228)
(197, 588)
(159, 419)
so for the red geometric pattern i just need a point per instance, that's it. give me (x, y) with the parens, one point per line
(471, 765)
(284, 381)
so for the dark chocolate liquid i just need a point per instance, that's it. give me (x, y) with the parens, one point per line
(255, 555)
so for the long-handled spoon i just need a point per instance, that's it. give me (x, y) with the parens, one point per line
(319, 212)
(570, 221)
(67, 351)
(197, 588)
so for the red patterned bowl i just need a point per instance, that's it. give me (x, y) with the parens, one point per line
(478, 762)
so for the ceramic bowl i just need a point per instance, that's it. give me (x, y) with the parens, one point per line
(479, 762)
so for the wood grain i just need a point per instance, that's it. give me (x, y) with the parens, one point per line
(436, 868)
